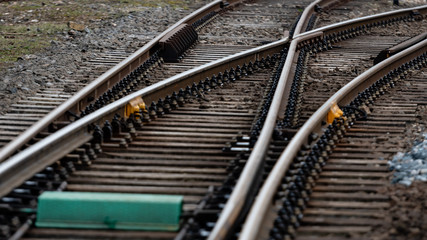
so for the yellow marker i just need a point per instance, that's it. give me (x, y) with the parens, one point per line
(134, 105)
(334, 112)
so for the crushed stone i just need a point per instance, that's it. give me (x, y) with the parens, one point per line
(410, 166)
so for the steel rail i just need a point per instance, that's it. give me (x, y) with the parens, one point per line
(399, 47)
(407, 43)
(264, 200)
(315, 6)
(237, 199)
(236, 202)
(35, 158)
(345, 25)
(96, 88)
(10, 168)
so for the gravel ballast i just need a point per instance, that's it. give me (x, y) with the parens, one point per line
(412, 165)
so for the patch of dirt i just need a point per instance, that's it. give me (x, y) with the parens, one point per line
(407, 216)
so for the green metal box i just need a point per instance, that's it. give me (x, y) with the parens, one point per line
(109, 211)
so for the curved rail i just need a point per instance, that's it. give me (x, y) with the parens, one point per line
(401, 46)
(315, 6)
(237, 199)
(344, 96)
(235, 204)
(25, 164)
(374, 20)
(96, 88)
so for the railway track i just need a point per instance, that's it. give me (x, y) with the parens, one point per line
(179, 153)
(160, 150)
(266, 157)
(218, 40)
(209, 119)
(347, 198)
(327, 181)
(326, 72)
(28, 111)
